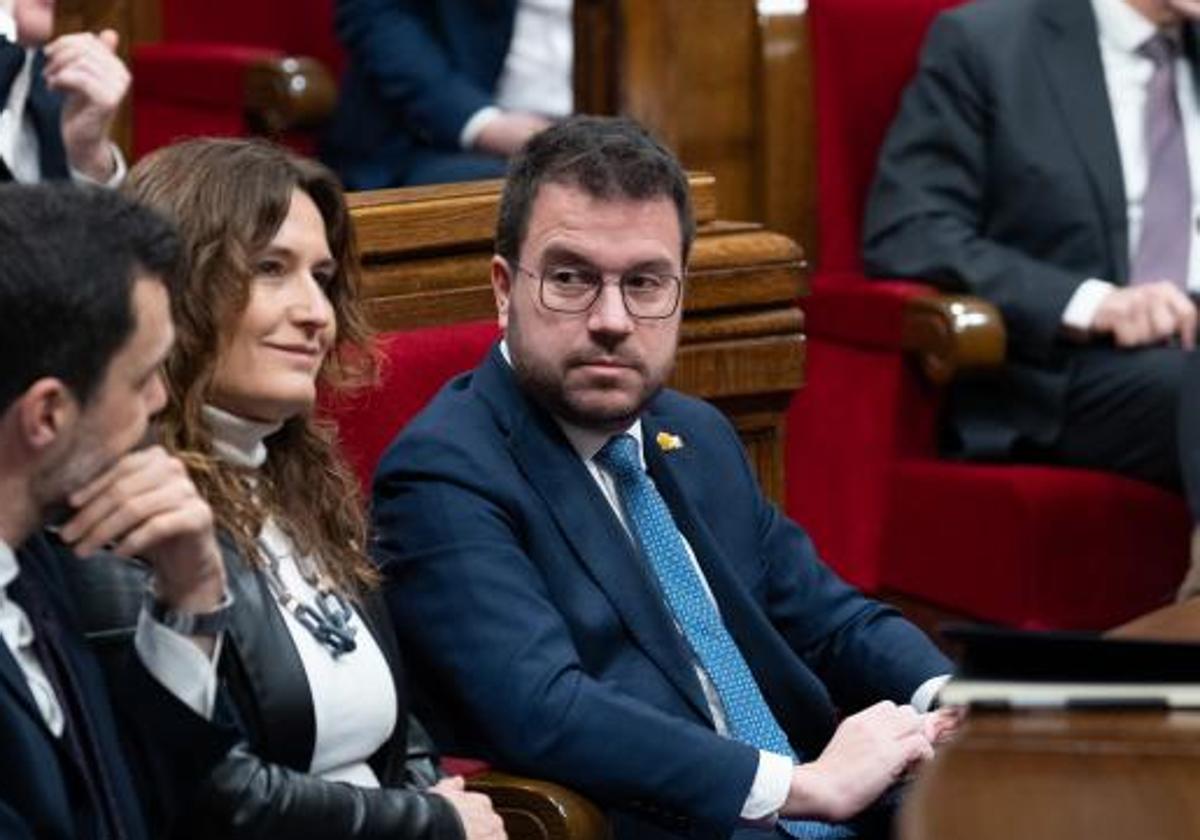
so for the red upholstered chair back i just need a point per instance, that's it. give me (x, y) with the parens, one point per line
(298, 27)
(416, 364)
(863, 54)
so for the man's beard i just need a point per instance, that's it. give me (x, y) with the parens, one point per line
(547, 387)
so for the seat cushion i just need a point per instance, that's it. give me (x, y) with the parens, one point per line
(1033, 546)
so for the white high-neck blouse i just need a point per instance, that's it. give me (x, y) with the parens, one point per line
(354, 698)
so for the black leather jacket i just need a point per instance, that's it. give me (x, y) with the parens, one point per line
(262, 789)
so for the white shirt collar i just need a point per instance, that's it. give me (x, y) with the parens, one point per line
(8, 566)
(8, 27)
(587, 442)
(1121, 26)
(237, 440)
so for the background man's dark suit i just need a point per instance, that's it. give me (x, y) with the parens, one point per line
(1002, 175)
(43, 107)
(161, 740)
(544, 641)
(417, 71)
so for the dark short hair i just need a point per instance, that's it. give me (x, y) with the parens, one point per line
(606, 157)
(68, 259)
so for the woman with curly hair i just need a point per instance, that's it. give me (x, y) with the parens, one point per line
(269, 314)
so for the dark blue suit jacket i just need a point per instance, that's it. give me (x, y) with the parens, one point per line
(417, 71)
(531, 616)
(44, 108)
(161, 740)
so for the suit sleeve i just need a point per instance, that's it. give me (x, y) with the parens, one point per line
(475, 613)
(395, 46)
(864, 651)
(927, 209)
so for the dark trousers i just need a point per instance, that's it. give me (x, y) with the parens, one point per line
(1135, 412)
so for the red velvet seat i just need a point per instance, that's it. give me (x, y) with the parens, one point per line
(415, 365)
(1029, 546)
(193, 81)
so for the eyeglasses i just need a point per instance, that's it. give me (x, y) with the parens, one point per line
(649, 295)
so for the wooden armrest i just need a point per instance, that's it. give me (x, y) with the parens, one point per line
(287, 93)
(952, 334)
(536, 810)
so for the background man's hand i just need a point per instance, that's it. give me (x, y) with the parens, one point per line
(1147, 313)
(506, 134)
(475, 811)
(86, 69)
(867, 754)
(146, 506)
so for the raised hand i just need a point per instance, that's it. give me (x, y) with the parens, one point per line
(86, 69)
(145, 505)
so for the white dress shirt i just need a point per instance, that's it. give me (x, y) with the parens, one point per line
(1127, 75)
(537, 70)
(18, 139)
(353, 696)
(179, 665)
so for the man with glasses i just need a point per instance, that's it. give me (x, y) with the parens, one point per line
(581, 563)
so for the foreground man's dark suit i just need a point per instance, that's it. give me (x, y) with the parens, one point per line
(1001, 175)
(545, 644)
(151, 762)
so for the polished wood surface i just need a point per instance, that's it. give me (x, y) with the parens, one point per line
(288, 94)
(426, 253)
(537, 810)
(952, 334)
(1067, 774)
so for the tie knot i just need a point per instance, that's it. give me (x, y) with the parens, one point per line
(1161, 48)
(620, 456)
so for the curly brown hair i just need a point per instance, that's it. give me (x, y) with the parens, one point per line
(229, 199)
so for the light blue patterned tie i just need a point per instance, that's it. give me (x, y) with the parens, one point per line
(746, 712)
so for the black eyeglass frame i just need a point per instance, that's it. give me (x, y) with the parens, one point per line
(595, 296)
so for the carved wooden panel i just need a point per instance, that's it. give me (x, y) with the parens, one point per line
(725, 85)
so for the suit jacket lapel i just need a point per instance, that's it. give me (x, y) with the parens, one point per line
(1069, 50)
(589, 525)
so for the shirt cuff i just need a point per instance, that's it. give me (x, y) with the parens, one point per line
(114, 180)
(772, 781)
(181, 667)
(476, 124)
(925, 694)
(1080, 313)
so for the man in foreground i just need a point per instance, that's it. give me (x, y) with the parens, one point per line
(585, 566)
(84, 326)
